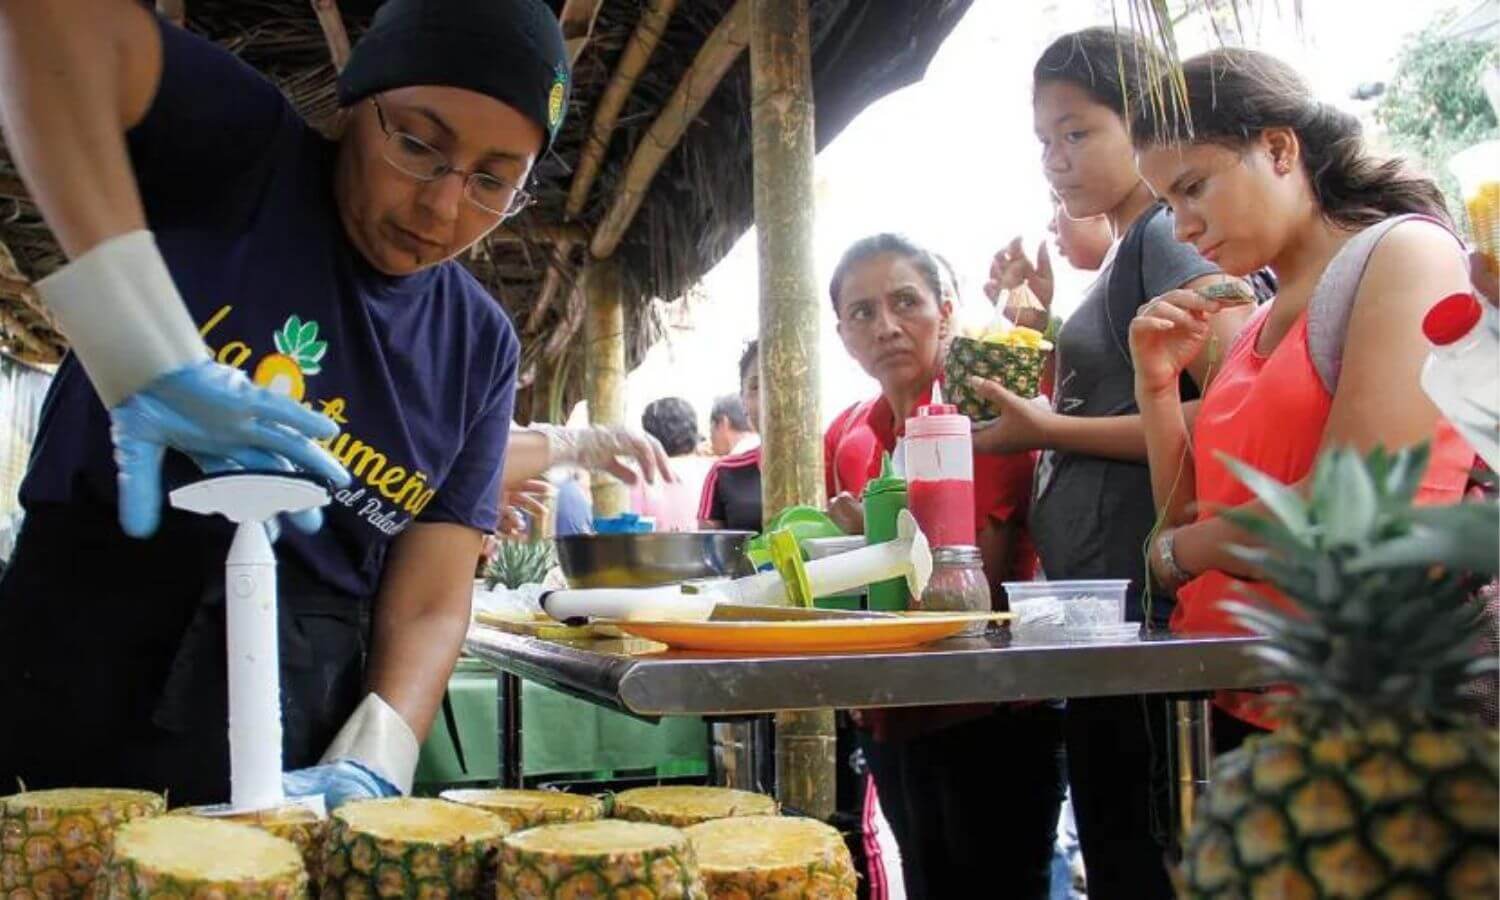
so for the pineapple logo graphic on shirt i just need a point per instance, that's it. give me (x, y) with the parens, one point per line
(298, 354)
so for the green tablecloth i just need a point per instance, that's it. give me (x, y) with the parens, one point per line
(560, 736)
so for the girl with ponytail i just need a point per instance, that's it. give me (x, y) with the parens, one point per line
(1260, 173)
(1092, 508)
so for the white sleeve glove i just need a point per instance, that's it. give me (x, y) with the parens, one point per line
(376, 737)
(122, 315)
(604, 448)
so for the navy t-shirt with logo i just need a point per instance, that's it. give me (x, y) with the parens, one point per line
(418, 371)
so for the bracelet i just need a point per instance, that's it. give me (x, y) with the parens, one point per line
(1166, 543)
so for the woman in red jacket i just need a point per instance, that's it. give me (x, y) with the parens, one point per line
(935, 769)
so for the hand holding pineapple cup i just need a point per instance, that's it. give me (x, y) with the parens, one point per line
(1021, 426)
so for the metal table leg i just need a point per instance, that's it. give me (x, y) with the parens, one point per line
(1191, 758)
(740, 753)
(510, 730)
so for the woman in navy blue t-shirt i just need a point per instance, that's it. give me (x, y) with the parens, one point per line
(245, 292)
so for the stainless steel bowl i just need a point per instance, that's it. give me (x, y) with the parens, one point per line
(643, 560)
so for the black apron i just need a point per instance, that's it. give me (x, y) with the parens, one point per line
(112, 656)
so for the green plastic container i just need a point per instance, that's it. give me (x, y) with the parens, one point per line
(884, 497)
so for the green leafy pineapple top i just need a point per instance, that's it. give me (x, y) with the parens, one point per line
(1385, 629)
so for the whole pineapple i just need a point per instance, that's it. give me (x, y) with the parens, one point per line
(519, 562)
(1378, 784)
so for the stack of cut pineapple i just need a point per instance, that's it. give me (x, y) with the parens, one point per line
(771, 856)
(409, 847)
(298, 824)
(54, 843)
(528, 809)
(188, 856)
(66, 843)
(607, 858)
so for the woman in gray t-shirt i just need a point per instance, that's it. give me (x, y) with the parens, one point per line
(1093, 506)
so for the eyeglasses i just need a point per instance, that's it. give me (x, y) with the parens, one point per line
(412, 156)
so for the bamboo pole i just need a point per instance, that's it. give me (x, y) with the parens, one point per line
(550, 283)
(334, 33)
(577, 21)
(633, 59)
(643, 40)
(572, 320)
(604, 342)
(717, 55)
(781, 114)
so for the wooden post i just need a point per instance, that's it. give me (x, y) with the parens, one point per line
(604, 353)
(781, 113)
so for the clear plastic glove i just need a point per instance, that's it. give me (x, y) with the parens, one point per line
(218, 417)
(606, 448)
(337, 782)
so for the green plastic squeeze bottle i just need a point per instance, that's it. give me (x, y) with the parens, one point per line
(884, 497)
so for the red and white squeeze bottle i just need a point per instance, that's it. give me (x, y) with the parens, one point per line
(939, 453)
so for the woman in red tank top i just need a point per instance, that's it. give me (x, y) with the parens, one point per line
(1272, 177)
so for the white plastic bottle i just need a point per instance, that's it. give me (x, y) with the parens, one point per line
(1462, 374)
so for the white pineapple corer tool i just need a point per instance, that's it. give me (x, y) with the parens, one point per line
(907, 556)
(250, 499)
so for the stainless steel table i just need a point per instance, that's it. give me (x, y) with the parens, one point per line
(640, 678)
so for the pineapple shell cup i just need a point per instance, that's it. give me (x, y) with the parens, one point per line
(54, 843)
(187, 856)
(1018, 368)
(604, 860)
(297, 824)
(754, 857)
(410, 847)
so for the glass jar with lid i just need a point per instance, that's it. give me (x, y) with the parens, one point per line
(958, 584)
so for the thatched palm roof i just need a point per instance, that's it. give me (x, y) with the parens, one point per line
(693, 210)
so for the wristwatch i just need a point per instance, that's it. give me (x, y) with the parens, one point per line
(1166, 544)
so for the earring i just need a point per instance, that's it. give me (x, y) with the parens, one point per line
(1283, 167)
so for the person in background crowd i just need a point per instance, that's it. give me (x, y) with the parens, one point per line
(1361, 248)
(729, 427)
(673, 503)
(933, 768)
(731, 491)
(541, 456)
(1092, 509)
(1084, 243)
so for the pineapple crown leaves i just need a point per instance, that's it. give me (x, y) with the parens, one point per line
(519, 562)
(299, 341)
(1384, 625)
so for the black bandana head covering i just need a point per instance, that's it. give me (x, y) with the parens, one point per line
(511, 50)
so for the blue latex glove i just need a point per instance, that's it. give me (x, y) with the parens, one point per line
(218, 417)
(338, 782)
